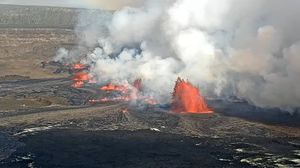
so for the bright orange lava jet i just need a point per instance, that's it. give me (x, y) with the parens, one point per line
(187, 99)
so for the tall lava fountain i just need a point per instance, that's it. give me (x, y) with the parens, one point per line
(187, 98)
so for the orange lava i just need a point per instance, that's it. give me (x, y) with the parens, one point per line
(187, 99)
(78, 66)
(127, 93)
(79, 78)
(111, 87)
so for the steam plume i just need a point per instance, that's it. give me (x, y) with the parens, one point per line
(248, 49)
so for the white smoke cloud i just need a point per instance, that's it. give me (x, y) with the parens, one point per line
(62, 55)
(248, 49)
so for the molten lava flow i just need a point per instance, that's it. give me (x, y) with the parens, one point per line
(78, 66)
(110, 87)
(187, 98)
(127, 93)
(79, 78)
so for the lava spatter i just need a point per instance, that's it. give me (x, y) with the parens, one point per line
(187, 99)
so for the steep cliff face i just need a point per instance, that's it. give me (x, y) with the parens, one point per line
(13, 16)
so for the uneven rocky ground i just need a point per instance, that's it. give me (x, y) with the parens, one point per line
(15, 16)
(23, 50)
(44, 122)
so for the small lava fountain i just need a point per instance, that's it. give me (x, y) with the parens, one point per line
(79, 78)
(187, 99)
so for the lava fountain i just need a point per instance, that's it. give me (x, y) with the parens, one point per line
(187, 99)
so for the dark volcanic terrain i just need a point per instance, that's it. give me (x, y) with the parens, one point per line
(44, 122)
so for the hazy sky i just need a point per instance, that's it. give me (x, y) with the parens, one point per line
(105, 4)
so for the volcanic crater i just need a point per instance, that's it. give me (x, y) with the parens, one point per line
(58, 117)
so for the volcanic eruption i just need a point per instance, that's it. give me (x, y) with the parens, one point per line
(254, 59)
(187, 98)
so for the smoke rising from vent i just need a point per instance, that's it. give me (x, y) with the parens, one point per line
(247, 49)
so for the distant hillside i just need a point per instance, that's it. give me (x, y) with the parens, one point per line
(14, 16)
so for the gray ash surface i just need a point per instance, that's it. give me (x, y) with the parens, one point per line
(144, 148)
(8, 145)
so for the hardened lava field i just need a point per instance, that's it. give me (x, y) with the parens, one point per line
(46, 120)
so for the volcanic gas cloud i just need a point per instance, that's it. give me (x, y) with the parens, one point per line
(187, 98)
(254, 59)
